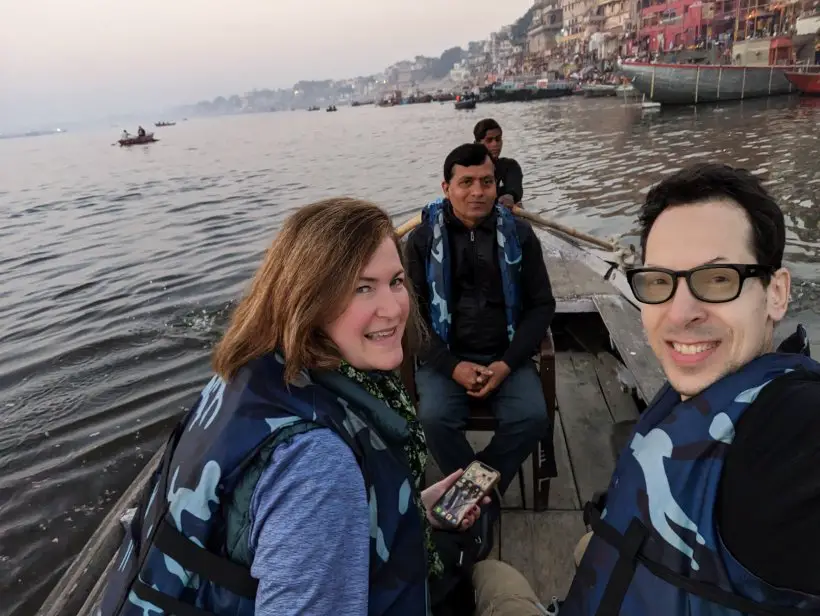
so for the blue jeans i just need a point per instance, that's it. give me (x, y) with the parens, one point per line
(518, 404)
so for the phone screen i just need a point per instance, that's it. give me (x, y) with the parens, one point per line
(476, 481)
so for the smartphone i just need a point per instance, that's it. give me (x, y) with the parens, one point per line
(475, 483)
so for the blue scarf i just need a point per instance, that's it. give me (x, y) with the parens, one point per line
(439, 267)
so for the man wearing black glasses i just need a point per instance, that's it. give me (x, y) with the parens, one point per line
(714, 506)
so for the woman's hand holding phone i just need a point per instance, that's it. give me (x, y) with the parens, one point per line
(433, 494)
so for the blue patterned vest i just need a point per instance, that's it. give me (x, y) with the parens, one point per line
(173, 559)
(439, 267)
(656, 549)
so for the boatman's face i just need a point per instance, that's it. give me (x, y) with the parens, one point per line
(472, 192)
(699, 342)
(493, 142)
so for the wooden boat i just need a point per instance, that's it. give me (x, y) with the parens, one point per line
(604, 375)
(595, 90)
(161, 124)
(684, 84)
(331, 108)
(807, 83)
(147, 138)
(469, 103)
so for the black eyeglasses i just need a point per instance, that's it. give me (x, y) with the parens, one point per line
(714, 284)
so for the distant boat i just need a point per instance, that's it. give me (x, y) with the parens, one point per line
(159, 124)
(594, 90)
(684, 84)
(312, 108)
(465, 104)
(807, 83)
(331, 108)
(148, 138)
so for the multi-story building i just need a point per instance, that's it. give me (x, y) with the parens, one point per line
(679, 24)
(618, 21)
(580, 22)
(547, 22)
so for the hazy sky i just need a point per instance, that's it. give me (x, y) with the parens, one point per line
(77, 59)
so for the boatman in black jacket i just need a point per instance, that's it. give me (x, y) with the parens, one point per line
(485, 295)
(508, 175)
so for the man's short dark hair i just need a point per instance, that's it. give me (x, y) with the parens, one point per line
(705, 181)
(467, 155)
(483, 127)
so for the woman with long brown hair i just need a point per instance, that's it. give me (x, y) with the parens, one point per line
(293, 485)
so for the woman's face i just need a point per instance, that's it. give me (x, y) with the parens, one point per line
(369, 331)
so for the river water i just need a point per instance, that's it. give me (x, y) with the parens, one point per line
(118, 267)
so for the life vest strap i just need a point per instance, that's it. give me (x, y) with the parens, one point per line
(221, 571)
(629, 547)
(167, 603)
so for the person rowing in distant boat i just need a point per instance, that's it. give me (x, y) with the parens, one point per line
(125, 134)
(140, 132)
(508, 175)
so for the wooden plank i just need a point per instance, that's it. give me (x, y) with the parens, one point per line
(571, 278)
(586, 421)
(626, 330)
(587, 282)
(578, 305)
(96, 595)
(599, 261)
(563, 491)
(555, 535)
(621, 405)
(563, 287)
(71, 591)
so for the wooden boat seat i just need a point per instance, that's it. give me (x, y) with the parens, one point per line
(482, 420)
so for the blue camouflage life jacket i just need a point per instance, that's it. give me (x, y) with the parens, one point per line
(439, 267)
(173, 559)
(656, 548)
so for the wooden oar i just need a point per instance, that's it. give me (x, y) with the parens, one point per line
(405, 228)
(557, 226)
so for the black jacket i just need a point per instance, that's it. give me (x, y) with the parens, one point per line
(769, 499)
(509, 178)
(479, 324)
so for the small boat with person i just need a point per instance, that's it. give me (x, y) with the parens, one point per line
(161, 124)
(138, 140)
(465, 103)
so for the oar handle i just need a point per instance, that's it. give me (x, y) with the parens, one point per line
(406, 227)
(550, 224)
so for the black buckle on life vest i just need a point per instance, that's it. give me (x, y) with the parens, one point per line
(594, 507)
